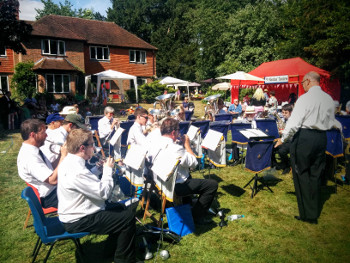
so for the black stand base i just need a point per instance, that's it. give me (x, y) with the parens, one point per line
(255, 189)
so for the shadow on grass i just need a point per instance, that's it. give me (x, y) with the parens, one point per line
(233, 190)
(212, 176)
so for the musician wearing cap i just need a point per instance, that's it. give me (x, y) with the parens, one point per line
(53, 121)
(82, 196)
(185, 184)
(33, 167)
(312, 116)
(107, 124)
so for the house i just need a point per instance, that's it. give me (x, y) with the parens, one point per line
(65, 49)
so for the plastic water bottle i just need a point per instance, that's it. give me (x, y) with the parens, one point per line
(234, 217)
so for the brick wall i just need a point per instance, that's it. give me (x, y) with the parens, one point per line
(119, 61)
(7, 63)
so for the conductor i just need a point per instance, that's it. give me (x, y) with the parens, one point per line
(312, 116)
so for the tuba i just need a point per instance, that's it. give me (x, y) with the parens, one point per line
(165, 103)
(212, 108)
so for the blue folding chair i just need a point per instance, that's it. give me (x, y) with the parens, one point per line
(224, 117)
(93, 121)
(126, 125)
(269, 126)
(188, 114)
(345, 123)
(258, 159)
(131, 117)
(49, 229)
(184, 126)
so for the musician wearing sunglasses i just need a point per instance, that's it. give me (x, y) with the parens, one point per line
(82, 199)
(185, 185)
(33, 167)
(137, 134)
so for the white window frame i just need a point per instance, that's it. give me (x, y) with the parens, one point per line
(50, 47)
(141, 81)
(7, 83)
(104, 49)
(4, 54)
(142, 56)
(54, 83)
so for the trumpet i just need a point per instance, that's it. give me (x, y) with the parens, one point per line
(53, 146)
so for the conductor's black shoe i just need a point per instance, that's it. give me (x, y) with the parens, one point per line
(310, 221)
(286, 171)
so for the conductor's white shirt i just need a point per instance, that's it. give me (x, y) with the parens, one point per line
(313, 110)
(79, 191)
(34, 170)
(136, 135)
(187, 160)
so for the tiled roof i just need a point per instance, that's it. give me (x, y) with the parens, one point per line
(54, 63)
(92, 31)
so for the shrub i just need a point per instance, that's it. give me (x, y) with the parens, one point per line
(23, 81)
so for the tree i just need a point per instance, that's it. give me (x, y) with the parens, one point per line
(66, 9)
(23, 81)
(13, 31)
(253, 34)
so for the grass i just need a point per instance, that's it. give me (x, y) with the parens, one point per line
(268, 233)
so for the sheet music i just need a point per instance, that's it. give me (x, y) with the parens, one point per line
(135, 156)
(248, 133)
(165, 164)
(212, 139)
(116, 136)
(192, 131)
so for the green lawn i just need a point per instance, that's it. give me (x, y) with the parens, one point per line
(268, 233)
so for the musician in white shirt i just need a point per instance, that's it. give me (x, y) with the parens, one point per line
(82, 197)
(312, 116)
(185, 184)
(107, 124)
(136, 133)
(33, 167)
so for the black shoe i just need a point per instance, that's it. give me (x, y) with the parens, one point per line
(310, 221)
(286, 171)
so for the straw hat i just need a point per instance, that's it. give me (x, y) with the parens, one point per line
(68, 110)
(249, 110)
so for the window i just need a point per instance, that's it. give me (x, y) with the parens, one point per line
(56, 83)
(53, 47)
(99, 53)
(2, 52)
(3, 84)
(137, 56)
(141, 81)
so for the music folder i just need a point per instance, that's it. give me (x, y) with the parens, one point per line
(165, 164)
(254, 134)
(212, 140)
(116, 136)
(192, 131)
(135, 156)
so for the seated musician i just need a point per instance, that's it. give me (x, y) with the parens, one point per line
(137, 130)
(284, 149)
(185, 184)
(33, 167)
(82, 199)
(107, 124)
(222, 109)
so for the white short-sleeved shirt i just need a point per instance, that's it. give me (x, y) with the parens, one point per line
(34, 170)
(187, 160)
(79, 191)
(104, 127)
(136, 135)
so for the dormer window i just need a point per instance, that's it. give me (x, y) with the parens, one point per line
(53, 47)
(137, 56)
(99, 53)
(2, 52)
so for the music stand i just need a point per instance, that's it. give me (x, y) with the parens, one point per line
(258, 159)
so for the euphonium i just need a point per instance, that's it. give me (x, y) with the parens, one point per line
(280, 123)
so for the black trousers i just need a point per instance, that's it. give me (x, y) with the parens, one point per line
(118, 223)
(206, 188)
(50, 200)
(308, 163)
(283, 151)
